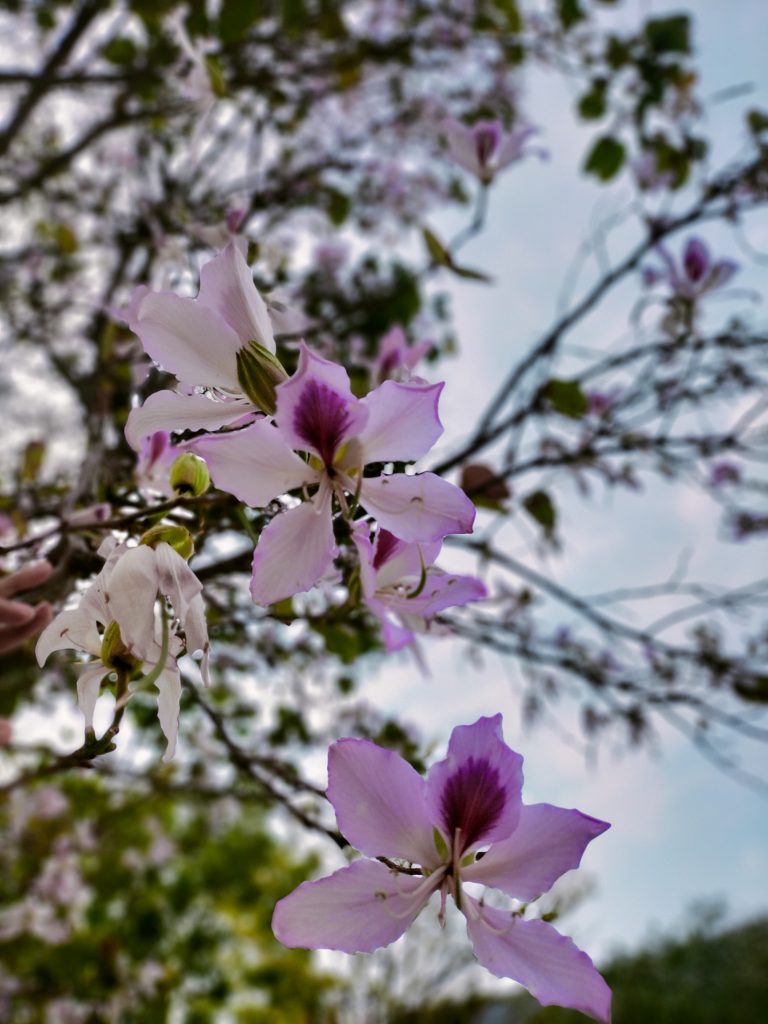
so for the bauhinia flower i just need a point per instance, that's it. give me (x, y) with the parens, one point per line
(484, 148)
(464, 823)
(403, 588)
(396, 358)
(117, 623)
(317, 414)
(219, 345)
(696, 274)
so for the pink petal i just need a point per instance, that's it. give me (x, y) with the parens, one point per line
(132, 590)
(171, 411)
(316, 410)
(175, 579)
(226, 286)
(188, 339)
(70, 630)
(196, 634)
(255, 464)
(402, 424)
(380, 802)
(477, 787)
(418, 508)
(294, 552)
(88, 688)
(394, 635)
(461, 145)
(551, 967)
(441, 590)
(547, 842)
(356, 909)
(168, 699)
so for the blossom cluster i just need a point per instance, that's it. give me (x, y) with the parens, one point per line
(267, 435)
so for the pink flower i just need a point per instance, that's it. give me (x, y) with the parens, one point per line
(121, 600)
(403, 588)
(464, 823)
(209, 343)
(485, 148)
(396, 357)
(696, 274)
(318, 414)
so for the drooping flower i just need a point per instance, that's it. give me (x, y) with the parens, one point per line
(403, 588)
(317, 414)
(116, 623)
(220, 343)
(464, 823)
(485, 148)
(696, 274)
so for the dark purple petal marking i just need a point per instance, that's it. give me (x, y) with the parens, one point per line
(487, 138)
(473, 801)
(386, 547)
(696, 260)
(321, 419)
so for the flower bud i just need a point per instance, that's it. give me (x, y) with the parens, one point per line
(190, 476)
(177, 537)
(114, 653)
(259, 372)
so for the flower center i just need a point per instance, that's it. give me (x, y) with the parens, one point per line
(472, 801)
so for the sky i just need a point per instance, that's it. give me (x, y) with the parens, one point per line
(681, 830)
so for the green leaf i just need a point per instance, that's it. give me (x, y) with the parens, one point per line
(539, 506)
(235, 18)
(593, 103)
(669, 35)
(566, 397)
(511, 13)
(606, 158)
(338, 208)
(570, 12)
(470, 274)
(120, 51)
(437, 251)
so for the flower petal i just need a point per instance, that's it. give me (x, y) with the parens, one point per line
(294, 552)
(168, 684)
(403, 423)
(171, 411)
(380, 802)
(549, 964)
(356, 909)
(547, 842)
(255, 464)
(226, 286)
(196, 634)
(175, 579)
(131, 592)
(188, 339)
(441, 590)
(73, 630)
(316, 410)
(476, 788)
(418, 508)
(88, 687)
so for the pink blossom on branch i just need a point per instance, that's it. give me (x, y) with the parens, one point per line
(485, 148)
(317, 414)
(403, 588)
(19, 620)
(465, 822)
(695, 275)
(214, 344)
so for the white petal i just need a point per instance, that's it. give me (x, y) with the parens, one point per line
(131, 594)
(88, 686)
(226, 285)
(171, 411)
(168, 700)
(70, 630)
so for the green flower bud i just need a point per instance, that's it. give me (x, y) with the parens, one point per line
(190, 476)
(114, 653)
(259, 373)
(178, 537)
